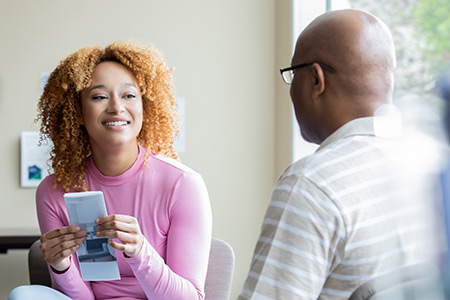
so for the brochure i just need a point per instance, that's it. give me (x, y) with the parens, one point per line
(96, 258)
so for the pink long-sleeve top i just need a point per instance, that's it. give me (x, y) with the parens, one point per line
(171, 204)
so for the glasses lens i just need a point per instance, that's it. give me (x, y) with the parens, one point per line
(287, 76)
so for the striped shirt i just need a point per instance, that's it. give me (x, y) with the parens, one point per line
(338, 218)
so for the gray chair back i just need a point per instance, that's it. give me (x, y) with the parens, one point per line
(218, 278)
(220, 271)
(37, 266)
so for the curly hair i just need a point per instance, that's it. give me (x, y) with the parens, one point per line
(59, 108)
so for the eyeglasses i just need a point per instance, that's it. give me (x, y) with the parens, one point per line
(288, 73)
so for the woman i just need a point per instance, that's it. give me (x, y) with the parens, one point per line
(111, 115)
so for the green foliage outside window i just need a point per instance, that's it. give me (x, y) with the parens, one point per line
(433, 19)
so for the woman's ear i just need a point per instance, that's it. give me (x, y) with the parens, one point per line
(80, 119)
(319, 80)
(79, 107)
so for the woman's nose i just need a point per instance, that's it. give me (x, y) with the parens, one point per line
(115, 105)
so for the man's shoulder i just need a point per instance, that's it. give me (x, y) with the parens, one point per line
(322, 158)
(300, 167)
(333, 160)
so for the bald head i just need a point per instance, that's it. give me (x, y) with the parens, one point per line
(358, 45)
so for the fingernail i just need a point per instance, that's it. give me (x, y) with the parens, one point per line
(97, 233)
(97, 221)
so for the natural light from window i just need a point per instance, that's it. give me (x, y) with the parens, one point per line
(422, 51)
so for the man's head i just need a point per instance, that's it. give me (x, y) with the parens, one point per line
(359, 47)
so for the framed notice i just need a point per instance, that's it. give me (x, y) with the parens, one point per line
(33, 159)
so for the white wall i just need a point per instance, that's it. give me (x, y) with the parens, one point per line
(226, 61)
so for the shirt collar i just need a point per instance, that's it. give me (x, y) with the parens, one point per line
(361, 126)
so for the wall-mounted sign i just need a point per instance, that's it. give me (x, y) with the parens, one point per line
(33, 159)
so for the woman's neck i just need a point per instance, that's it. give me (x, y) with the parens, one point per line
(114, 163)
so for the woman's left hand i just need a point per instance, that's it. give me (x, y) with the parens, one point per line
(123, 228)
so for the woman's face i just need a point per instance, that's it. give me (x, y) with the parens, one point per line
(112, 107)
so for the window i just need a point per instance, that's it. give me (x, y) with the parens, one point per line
(421, 32)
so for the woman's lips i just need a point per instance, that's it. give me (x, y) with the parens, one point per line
(116, 123)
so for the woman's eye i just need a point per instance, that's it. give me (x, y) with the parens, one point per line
(99, 97)
(130, 96)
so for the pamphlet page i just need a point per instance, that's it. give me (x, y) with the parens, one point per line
(96, 258)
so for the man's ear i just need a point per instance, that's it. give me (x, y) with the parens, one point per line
(319, 80)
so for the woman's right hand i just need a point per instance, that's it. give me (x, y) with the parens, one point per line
(58, 245)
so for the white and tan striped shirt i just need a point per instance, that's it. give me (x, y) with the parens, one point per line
(337, 219)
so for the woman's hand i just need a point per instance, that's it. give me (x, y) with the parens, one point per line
(57, 245)
(124, 228)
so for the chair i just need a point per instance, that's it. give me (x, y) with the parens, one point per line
(218, 277)
(415, 282)
(220, 271)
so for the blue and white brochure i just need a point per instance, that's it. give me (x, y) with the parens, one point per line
(96, 258)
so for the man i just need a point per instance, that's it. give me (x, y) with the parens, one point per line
(338, 217)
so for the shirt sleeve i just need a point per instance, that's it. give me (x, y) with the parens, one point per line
(182, 275)
(301, 241)
(51, 215)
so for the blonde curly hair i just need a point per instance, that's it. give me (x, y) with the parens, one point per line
(59, 108)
